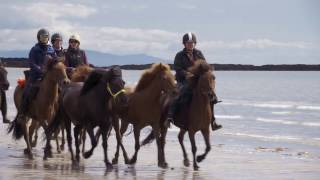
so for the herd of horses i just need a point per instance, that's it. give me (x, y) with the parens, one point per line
(98, 98)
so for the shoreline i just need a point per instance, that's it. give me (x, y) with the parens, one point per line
(23, 63)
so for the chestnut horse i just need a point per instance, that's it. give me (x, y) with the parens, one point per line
(42, 107)
(197, 115)
(144, 108)
(86, 106)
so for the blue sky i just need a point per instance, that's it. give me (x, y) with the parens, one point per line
(229, 31)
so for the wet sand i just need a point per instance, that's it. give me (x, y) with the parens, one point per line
(225, 161)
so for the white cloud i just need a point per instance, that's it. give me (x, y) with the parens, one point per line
(253, 44)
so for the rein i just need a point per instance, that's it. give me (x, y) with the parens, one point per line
(114, 95)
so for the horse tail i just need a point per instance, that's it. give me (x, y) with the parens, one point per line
(17, 129)
(149, 139)
(57, 121)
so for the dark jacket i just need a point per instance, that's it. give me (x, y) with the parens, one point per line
(182, 63)
(37, 58)
(75, 57)
(60, 52)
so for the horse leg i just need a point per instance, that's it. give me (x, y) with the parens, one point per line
(104, 131)
(194, 149)
(94, 143)
(163, 134)
(57, 141)
(156, 133)
(47, 149)
(83, 136)
(69, 138)
(137, 144)
(28, 150)
(115, 124)
(33, 130)
(62, 138)
(76, 132)
(185, 155)
(206, 136)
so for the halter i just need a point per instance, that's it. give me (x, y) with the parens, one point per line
(116, 94)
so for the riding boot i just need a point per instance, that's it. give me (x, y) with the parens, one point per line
(4, 107)
(214, 125)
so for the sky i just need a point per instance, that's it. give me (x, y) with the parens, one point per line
(229, 31)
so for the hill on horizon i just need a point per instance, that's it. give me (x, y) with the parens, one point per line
(98, 58)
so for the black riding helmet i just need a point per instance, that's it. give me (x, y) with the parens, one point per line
(42, 33)
(189, 37)
(55, 36)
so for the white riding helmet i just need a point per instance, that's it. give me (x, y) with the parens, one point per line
(75, 37)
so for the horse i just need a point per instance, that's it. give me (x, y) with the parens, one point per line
(86, 106)
(42, 107)
(197, 114)
(144, 108)
(4, 86)
(81, 73)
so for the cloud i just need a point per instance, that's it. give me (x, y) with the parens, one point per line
(254, 44)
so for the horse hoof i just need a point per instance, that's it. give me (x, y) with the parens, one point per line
(163, 165)
(132, 161)
(86, 155)
(26, 151)
(59, 151)
(33, 144)
(109, 166)
(200, 158)
(186, 162)
(6, 121)
(114, 161)
(62, 147)
(195, 167)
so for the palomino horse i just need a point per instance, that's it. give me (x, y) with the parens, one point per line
(4, 85)
(144, 108)
(86, 106)
(198, 114)
(42, 108)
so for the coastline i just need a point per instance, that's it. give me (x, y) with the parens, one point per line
(23, 63)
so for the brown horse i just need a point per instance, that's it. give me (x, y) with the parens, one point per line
(42, 108)
(144, 108)
(81, 73)
(198, 114)
(4, 86)
(86, 106)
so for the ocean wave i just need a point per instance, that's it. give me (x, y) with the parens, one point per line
(267, 105)
(279, 121)
(282, 112)
(228, 116)
(312, 124)
(265, 137)
(309, 107)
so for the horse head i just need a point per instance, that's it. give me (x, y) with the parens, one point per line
(201, 78)
(4, 83)
(55, 70)
(81, 73)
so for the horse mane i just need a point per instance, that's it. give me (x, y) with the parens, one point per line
(199, 68)
(81, 73)
(150, 74)
(93, 79)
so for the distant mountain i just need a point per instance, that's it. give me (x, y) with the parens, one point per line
(98, 58)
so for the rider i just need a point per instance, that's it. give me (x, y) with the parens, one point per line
(183, 60)
(3, 103)
(38, 55)
(56, 41)
(74, 55)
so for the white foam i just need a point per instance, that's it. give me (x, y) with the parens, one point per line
(228, 116)
(309, 107)
(267, 105)
(282, 113)
(312, 124)
(258, 136)
(279, 121)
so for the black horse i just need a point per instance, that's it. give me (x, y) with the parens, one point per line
(4, 85)
(86, 106)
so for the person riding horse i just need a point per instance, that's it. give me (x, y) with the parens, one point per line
(56, 41)
(4, 85)
(38, 56)
(183, 60)
(74, 55)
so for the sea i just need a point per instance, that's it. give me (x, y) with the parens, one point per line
(272, 112)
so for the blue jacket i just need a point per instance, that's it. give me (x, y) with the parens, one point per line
(37, 57)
